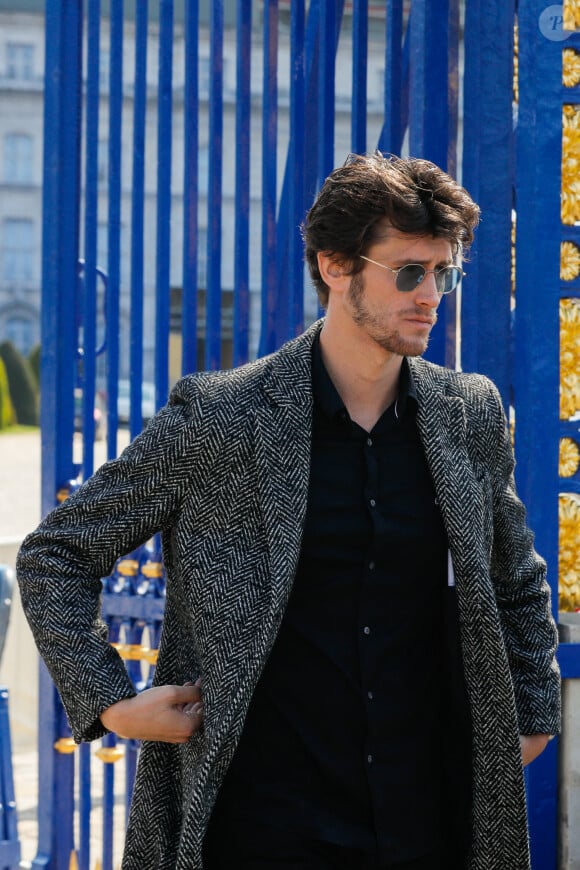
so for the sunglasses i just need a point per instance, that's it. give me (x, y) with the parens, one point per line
(410, 276)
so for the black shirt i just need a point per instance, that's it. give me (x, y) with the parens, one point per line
(343, 739)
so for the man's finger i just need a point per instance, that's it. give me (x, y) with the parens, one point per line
(193, 710)
(185, 694)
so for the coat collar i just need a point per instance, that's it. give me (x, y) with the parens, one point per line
(283, 435)
(283, 426)
(443, 429)
(288, 378)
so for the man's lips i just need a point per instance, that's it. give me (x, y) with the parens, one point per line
(427, 321)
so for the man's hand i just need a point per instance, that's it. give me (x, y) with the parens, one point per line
(532, 745)
(170, 714)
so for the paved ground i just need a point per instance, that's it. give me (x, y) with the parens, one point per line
(19, 483)
(20, 479)
(19, 514)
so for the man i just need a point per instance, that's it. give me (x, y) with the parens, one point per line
(358, 652)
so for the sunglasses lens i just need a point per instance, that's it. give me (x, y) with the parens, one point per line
(409, 277)
(447, 279)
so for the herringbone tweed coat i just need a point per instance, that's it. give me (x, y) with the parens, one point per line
(223, 472)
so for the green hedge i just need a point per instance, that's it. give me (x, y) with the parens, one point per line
(7, 415)
(21, 383)
(34, 360)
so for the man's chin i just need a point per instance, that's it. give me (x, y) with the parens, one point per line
(413, 348)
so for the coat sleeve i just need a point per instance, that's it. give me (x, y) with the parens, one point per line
(60, 565)
(522, 595)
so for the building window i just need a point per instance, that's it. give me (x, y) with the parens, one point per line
(103, 161)
(203, 170)
(104, 71)
(19, 60)
(21, 333)
(18, 159)
(201, 257)
(18, 245)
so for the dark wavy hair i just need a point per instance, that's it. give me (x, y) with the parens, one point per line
(412, 195)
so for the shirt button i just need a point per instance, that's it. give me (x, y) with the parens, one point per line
(370, 759)
(366, 629)
(372, 502)
(369, 442)
(371, 566)
(370, 696)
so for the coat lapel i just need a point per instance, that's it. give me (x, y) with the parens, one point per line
(283, 436)
(442, 427)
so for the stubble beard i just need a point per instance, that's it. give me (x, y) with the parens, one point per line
(393, 341)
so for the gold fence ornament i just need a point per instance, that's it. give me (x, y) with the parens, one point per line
(570, 68)
(110, 754)
(150, 655)
(152, 569)
(569, 458)
(65, 745)
(569, 551)
(569, 358)
(571, 15)
(73, 863)
(569, 261)
(134, 652)
(127, 567)
(570, 198)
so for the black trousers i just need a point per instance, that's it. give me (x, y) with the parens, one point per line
(261, 847)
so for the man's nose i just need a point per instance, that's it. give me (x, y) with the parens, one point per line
(427, 293)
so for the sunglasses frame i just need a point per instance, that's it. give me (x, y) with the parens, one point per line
(426, 272)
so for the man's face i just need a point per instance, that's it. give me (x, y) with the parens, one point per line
(399, 322)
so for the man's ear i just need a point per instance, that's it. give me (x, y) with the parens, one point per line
(330, 268)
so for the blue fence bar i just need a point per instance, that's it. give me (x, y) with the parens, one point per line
(429, 43)
(9, 842)
(536, 342)
(451, 311)
(88, 301)
(138, 217)
(61, 200)
(303, 174)
(453, 38)
(189, 306)
(85, 807)
(360, 27)
(114, 222)
(108, 742)
(268, 336)
(488, 173)
(213, 301)
(327, 40)
(428, 83)
(391, 138)
(164, 147)
(295, 169)
(241, 337)
(569, 660)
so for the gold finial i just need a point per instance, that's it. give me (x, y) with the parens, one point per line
(110, 754)
(569, 551)
(569, 358)
(65, 745)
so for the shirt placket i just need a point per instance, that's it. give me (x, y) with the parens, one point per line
(367, 626)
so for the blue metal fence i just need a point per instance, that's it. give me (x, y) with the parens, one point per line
(211, 165)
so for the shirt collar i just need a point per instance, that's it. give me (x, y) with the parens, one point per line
(328, 400)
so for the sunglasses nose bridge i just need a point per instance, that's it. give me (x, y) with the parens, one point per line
(430, 280)
(427, 290)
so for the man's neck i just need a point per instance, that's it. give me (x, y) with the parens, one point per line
(366, 377)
